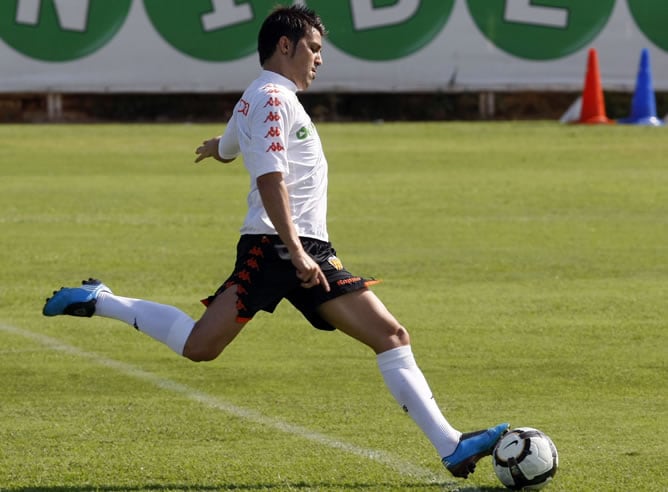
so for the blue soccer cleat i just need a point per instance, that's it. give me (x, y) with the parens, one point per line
(75, 301)
(473, 446)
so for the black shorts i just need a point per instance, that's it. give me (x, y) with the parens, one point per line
(264, 275)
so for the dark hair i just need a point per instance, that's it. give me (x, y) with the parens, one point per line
(294, 22)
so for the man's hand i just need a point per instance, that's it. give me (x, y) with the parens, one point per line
(309, 272)
(275, 199)
(209, 148)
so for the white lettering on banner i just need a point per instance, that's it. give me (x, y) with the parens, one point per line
(523, 12)
(72, 14)
(226, 13)
(366, 16)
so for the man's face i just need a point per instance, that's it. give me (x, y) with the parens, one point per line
(306, 57)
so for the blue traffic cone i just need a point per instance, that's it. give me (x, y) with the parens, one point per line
(643, 105)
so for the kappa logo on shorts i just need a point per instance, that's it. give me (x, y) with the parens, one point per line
(348, 281)
(335, 262)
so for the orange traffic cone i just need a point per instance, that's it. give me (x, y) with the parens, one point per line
(593, 105)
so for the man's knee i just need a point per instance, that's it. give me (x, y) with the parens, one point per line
(391, 338)
(201, 353)
(397, 337)
(208, 340)
(401, 336)
(199, 348)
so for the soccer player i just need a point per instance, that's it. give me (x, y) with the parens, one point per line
(284, 250)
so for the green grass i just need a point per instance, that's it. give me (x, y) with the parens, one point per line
(529, 261)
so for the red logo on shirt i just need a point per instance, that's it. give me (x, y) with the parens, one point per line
(275, 147)
(272, 117)
(273, 101)
(243, 107)
(270, 89)
(274, 131)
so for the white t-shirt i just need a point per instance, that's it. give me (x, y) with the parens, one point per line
(272, 131)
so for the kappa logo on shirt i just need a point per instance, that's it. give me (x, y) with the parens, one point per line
(275, 147)
(270, 89)
(273, 102)
(272, 116)
(274, 132)
(243, 107)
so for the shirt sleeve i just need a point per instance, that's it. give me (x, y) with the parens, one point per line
(269, 127)
(228, 146)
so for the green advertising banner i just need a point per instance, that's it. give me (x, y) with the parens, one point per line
(651, 17)
(383, 30)
(373, 45)
(59, 31)
(211, 31)
(540, 30)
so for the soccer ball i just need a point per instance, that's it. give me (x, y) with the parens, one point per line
(525, 458)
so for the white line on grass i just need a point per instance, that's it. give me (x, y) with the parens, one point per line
(401, 466)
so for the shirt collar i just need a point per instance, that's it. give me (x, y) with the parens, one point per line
(277, 78)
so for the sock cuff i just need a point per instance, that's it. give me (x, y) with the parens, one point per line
(396, 358)
(99, 302)
(179, 332)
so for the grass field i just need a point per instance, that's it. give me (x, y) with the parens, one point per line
(529, 261)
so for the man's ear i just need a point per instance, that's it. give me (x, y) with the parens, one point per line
(284, 45)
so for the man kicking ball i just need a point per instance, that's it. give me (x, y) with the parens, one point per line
(284, 250)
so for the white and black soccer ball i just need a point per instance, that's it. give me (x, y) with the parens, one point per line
(525, 458)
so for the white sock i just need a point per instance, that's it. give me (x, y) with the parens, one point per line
(409, 387)
(164, 323)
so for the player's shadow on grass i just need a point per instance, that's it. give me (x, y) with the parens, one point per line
(322, 486)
